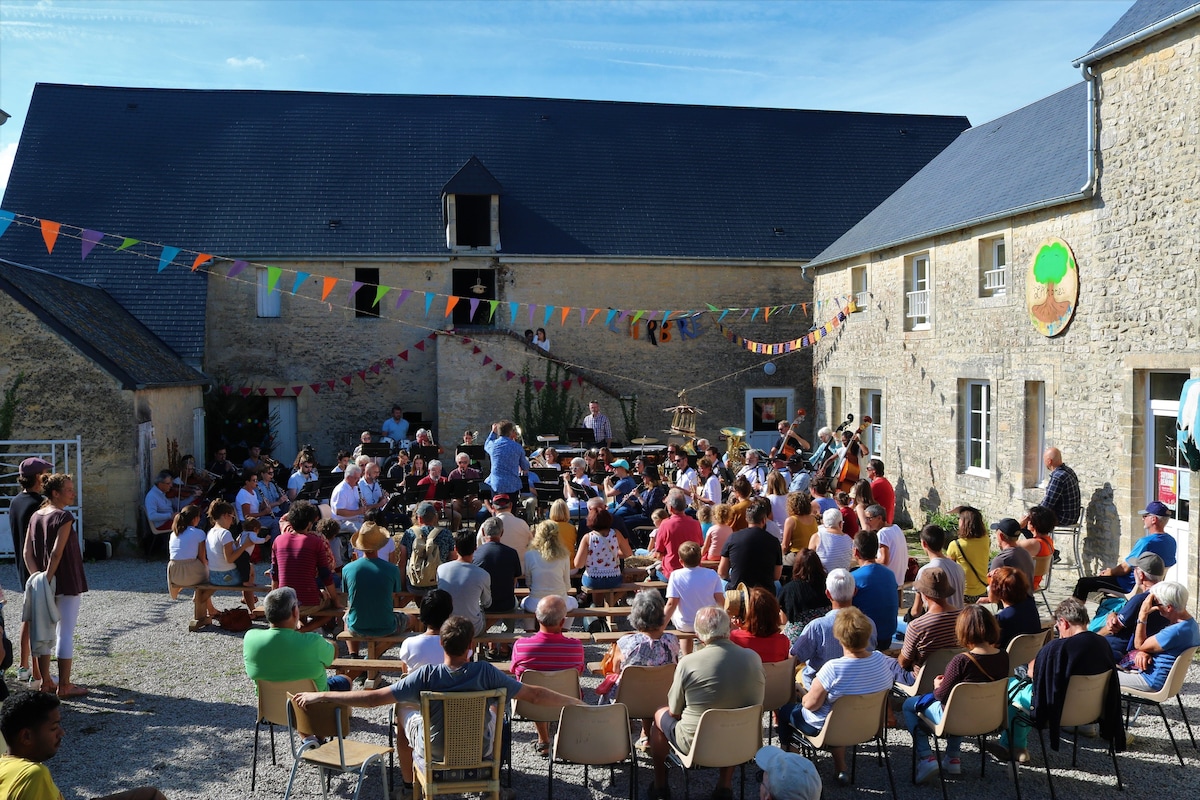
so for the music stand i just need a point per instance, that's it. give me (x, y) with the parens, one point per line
(375, 450)
(309, 491)
(547, 475)
(475, 451)
(581, 436)
(461, 489)
(392, 485)
(427, 453)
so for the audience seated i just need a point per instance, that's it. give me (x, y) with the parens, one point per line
(1156, 540)
(284, 653)
(691, 588)
(1009, 589)
(877, 595)
(158, 506)
(300, 559)
(759, 629)
(469, 585)
(933, 539)
(548, 651)
(426, 648)
(752, 556)
(547, 565)
(803, 598)
(935, 629)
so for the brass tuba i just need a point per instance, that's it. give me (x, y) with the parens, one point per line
(735, 446)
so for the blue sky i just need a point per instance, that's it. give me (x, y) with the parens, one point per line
(979, 58)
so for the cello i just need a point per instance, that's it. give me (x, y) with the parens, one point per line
(847, 470)
(792, 438)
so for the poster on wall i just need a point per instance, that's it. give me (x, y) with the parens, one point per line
(1168, 490)
(1052, 287)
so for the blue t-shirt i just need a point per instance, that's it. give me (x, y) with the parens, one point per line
(878, 598)
(1019, 619)
(1161, 543)
(474, 676)
(623, 487)
(1173, 639)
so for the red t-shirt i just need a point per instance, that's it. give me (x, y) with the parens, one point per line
(770, 649)
(885, 495)
(674, 531)
(297, 559)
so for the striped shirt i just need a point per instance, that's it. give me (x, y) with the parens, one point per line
(547, 652)
(854, 676)
(928, 632)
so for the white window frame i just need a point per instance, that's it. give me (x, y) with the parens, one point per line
(860, 287)
(267, 302)
(872, 406)
(993, 267)
(979, 405)
(918, 294)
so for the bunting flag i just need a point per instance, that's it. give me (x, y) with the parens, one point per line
(512, 312)
(88, 241)
(593, 316)
(127, 243)
(428, 302)
(273, 274)
(565, 310)
(549, 313)
(354, 287)
(327, 288)
(451, 302)
(474, 307)
(6, 218)
(237, 268)
(301, 277)
(166, 257)
(612, 312)
(50, 234)
(404, 293)
(492, 305)
(201, 258)
(779, 348)
(380, 291)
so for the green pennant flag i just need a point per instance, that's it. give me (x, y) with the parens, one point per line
(379, 293)
(273, 274)
(127, 243)
(637, 316)
(492, 312)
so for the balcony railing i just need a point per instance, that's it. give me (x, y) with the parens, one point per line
(918, 307)
(994, 280)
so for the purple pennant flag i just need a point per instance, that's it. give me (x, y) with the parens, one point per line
(532, 307)
(167, 256)
(404, 293)
(354, 287)
(474, 306)
(508, 374)
(582, 317)
(237, 268)
(88, 240)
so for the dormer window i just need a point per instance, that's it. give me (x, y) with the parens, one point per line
(471, 206)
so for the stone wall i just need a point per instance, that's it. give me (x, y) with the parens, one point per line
(65, 394)
(313, 341)
(1137, 248)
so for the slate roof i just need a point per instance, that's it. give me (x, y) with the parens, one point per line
(1035, 155)
(260, 174)
(473, 178)
(92, 321)
(1142, 15)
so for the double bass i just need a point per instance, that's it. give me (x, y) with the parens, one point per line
(847, 470)
(792, 438)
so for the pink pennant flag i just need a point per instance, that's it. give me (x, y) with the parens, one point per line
(420, 345)
(466, 340)
(87, 241)
(296, 390)
(508, 375)
(553, 384)
(538, 385)
(279, 390)
(499, 366)
(524, 379)
(431, 336)
(347, 379)
(362, 375)
(486, 360)
(391, 362)
(262, 390)
(316, 387)
(245, 391)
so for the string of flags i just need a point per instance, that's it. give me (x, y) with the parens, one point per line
(778, 348)
(508, 374)
(481, 309)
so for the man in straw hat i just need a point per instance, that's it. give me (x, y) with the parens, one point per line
(370, 584)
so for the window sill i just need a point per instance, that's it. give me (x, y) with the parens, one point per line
(977, 472)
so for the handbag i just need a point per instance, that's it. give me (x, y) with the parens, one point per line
(235, 620)
(609, 670)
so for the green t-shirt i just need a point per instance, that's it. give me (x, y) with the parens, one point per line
(279, 654)
(22, 779)
(370, 584)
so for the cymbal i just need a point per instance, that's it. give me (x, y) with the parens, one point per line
(732, 432)
(644, 440)
(547, 437)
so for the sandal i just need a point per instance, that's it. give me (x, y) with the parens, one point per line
(72, 690)
(541, 748)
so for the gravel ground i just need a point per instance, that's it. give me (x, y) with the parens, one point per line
(175, 709)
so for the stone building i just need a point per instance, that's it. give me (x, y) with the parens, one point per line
(974, 363)
(339, 228)
(91, 369)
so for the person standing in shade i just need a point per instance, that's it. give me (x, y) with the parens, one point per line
(29, 476)
(882, 491)
(598, 423)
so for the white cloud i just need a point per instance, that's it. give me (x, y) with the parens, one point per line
(248, 61)
(6, 162)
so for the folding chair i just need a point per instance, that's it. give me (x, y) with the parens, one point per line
(855, 719)
(339, 754)
(1083, 705)
(1023, 648)
(465, 722)
(725, 737)
(934, 665)
(1172, 688)
(981, 709)
(780, 688)
(272, 711)
(593, 736)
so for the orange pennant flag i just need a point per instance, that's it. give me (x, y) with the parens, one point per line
(329, 284)
(767, 314)
(804, 308)
(595, 311)
(50, 234)
(451, 302)
(566, 310)
(200, 259)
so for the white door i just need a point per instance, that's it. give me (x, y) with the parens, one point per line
(1167, 480)
(765, 408)
(281, 411)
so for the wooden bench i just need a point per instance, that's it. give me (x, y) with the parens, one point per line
(205, 590)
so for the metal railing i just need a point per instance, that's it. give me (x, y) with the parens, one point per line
(994, 280)
(65, 454)
(918, 306)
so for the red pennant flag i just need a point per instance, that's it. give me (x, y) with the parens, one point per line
(245, 391)
(227, 389)
(316, 387)
(346, 379)
(375, 368)
(262, 390)
(391, 362)
(362, 375)
(499, 367)
(50, 234)
(524, 379)
(538, 385)
(331, 383)
(508, 375)
(431, 336)
(279, 390)
(421, 345)
(200, 259)
(487, 360)
(466, 340)
(475, 350)
(403, 354)
(296, 390)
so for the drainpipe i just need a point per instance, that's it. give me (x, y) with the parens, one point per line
(1093, 119)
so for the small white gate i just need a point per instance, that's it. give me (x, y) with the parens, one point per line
(65, 454)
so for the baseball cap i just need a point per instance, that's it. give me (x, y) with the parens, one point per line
(789, 775)
(1008, 526)
(622, 463)
(1156, 508)
(1151, 564)
(32, 467)
(502, 500)
(933, 582)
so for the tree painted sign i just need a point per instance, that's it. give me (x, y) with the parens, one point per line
(1052, 287)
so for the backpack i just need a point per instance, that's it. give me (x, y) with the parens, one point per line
(425, 558)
